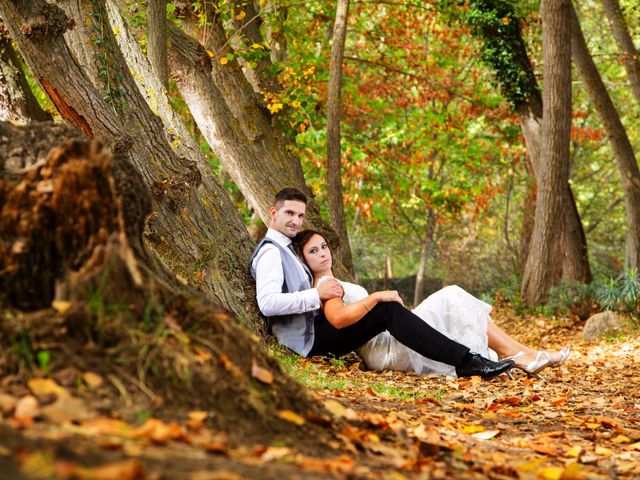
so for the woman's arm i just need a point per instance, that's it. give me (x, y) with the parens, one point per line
(341, 315)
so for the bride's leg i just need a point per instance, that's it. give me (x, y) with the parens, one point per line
(504, 345)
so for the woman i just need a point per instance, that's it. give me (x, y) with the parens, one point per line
(451, 310)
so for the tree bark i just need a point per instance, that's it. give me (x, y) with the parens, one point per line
(425, 252)
(193, 227)
(17, 102)
(334, 153)
(630, 56)
(542, 270)
(262, 75)
(157, 38)
(260, 164)
(625, 156)
(525, 97)
(71, 227)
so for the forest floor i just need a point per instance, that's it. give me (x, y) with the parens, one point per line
(578, 421)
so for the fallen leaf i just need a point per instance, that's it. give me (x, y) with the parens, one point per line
(228, 365)
(61, 306)
(65, 409)
(217, 475)
(7, 402)
(27, 408)
(574, 451)
(620, 439)
(158, 432)
(605, 452)
(486, 435)
(45, 386)
(125, 470)
(550, 473)
(92, 379)
(292, 417)
(339, 465)
(338, 410)
(260, 373)
(275, 453)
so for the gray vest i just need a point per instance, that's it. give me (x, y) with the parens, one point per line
(293, 331)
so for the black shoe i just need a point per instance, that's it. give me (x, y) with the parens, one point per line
(476, 364)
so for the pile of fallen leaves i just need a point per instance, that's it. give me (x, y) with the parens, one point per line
(579, 421)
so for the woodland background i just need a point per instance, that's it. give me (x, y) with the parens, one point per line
(490, 144)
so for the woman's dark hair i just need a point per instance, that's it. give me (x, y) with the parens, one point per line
(301, 239)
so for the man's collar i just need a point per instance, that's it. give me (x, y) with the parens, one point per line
(279, 237)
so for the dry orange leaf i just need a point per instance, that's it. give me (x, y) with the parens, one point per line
(26, 408)
(260, 373)
(550, 473)
(339, 465)
(65, 409)
(105, 426)
(486, 435)
(7, 402)
(125, 470)
(45, 386)
(61, 306)
(292, 417)
(92, 379)
(158, 432)
(229, 366)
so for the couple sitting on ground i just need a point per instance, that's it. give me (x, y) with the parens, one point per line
(313, 313)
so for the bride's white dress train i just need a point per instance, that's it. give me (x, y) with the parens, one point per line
(451, 310)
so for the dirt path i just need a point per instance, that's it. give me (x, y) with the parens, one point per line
(579, 421)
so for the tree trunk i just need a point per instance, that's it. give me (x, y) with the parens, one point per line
(17, 102)
(425, 253)
(262, 75)
(334, 153)
(542, 270)
(275, 31)
(514, 71)
(630, 57)
(625, 156)
(259, 165)
(196, 231)
(71, 227)
(157, 38)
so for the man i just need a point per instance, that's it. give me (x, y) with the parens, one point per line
(292, 307)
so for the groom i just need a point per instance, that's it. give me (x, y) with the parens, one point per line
(293, 308)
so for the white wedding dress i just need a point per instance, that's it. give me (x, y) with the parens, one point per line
(451, 310)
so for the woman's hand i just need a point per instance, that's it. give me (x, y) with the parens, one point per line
(388, 296)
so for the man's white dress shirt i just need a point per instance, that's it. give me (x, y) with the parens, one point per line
(270, 277)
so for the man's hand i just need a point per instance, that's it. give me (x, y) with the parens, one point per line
(329, 289)
(389, 296)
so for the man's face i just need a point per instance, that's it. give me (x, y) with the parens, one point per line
(288, 218)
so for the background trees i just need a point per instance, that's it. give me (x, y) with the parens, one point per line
(441, 146)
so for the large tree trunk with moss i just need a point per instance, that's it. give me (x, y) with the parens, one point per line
(252, 152)
(505, 51)
(17, 102)
(71, 227)
(629, 53)
(193, 228)
(334, 152)
(542, 270)
(623, 151)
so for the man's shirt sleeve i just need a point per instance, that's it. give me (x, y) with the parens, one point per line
(269, 280)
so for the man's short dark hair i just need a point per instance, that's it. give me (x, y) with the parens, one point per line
(289, 193)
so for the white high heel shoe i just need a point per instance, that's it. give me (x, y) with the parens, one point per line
(542, 361)
(564, 355)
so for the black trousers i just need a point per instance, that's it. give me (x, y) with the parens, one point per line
(404, 325)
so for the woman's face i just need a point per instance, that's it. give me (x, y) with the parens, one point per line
(317, 254)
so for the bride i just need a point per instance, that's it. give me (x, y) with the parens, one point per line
(451, 310)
